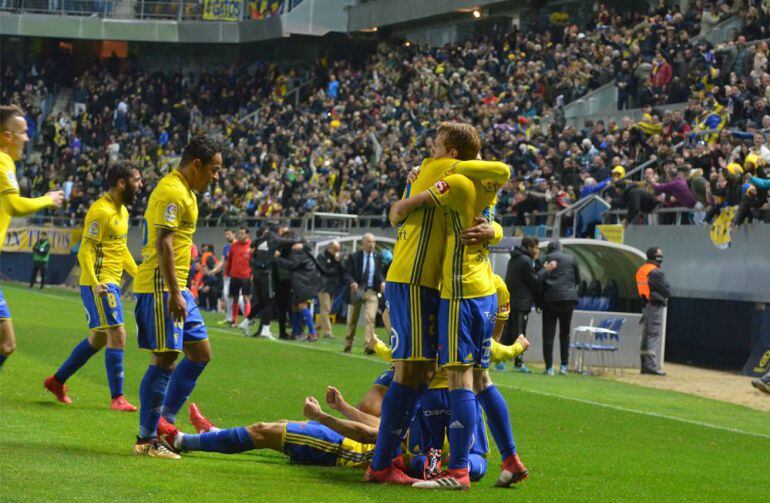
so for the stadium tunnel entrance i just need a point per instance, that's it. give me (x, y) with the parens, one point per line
(607, 271)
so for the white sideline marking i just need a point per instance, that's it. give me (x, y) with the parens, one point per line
(535, 392)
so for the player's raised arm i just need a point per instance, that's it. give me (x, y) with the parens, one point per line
(18, 206)
(335, 400)
(476, 169)
(351, 429)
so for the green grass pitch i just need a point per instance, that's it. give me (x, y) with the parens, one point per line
(582, 438)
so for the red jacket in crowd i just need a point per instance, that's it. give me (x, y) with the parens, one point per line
(237, 265)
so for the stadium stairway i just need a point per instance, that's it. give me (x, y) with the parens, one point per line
(64, 101)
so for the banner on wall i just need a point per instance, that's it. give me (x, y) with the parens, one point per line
(223, 10)
(611, 233)
(22, 239)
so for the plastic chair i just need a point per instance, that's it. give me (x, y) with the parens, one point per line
(606, 343)
(581, 343)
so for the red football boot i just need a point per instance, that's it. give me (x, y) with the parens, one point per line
(167, 434)
(198, 420)
(457, 480)
(513, 472)
(389, 475)
(58, 389)
(399, 463)
(120, 403)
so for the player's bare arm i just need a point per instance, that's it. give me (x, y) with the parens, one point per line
(164, 245)
(335, 400)
(351, 429)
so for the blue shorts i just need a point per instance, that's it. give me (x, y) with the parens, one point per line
(311, 443)
(104, 311)
(386, 377)
(431, 425)
(157, 331)
(413, 310)
(5, 313)
(465, 328)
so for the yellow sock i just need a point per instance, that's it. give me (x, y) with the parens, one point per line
(503, 353)
(382, 350)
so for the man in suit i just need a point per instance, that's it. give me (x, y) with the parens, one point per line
(366, 281)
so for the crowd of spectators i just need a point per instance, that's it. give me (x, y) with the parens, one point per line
(339, 135)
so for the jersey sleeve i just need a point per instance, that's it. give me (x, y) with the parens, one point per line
(94, 225)
(452, 192)
(499, 172)
(503, 298)
(8, 182)
(167, 210)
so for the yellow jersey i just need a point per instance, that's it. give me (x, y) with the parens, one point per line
(8, 185)
(106, 228)
(352, 454)
(172, 205)
(421, 236)
(466, 269)
(503, 298)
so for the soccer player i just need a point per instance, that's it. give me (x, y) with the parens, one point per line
(323, 441)
(103, 256)
(467, 309)
(13, 137)
(168, 320)
(412, 293)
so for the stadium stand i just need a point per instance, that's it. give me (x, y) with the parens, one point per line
(336, 135)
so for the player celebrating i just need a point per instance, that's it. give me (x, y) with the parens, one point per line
(467, 309)
(412, 291)
(168, 320)
(13, 137)
(103, 256)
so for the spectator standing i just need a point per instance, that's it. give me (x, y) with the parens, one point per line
(559, 300)
(333, 275)
(655, 292)
(238, 267)
(366, 282)
(634, 199)
(524, 286)
(41, 253)
(677, 189)
(305, 284)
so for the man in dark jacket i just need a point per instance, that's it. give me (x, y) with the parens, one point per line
(306, 281)
(634, 199)
(524, 286)
(262, 282)
(41, 253)
(559, 300)
(332, 274)
(655, 292)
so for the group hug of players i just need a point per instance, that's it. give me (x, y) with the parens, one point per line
(445, 309)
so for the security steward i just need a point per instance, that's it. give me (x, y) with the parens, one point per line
(655, 292)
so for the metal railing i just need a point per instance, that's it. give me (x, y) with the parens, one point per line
(180, 10)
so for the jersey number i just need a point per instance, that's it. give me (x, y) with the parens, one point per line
(112, 301)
